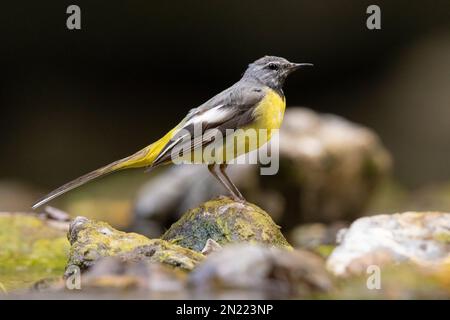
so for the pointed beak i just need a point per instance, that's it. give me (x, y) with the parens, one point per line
(296, 66)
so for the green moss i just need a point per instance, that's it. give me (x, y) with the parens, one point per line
(370, 169)
(225, 221)
(442, 237)
(93, 240)
(30, 249)
(173, 255)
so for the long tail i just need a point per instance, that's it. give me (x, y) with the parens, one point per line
(139, 159)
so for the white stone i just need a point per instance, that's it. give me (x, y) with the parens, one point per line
(417, 237)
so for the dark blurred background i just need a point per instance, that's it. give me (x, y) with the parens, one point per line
(72, 101)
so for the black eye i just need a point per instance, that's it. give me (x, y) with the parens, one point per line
(273, 66)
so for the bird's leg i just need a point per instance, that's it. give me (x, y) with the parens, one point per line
(230, 183)
(225, 181)
(213, 170)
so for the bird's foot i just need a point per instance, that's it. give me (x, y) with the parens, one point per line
(240, 199)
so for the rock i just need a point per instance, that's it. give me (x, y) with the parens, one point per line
(148, 279)
(48, 284)
(93, 240)
(31, 248)
(225, 221)
(56, 214)
(210, 247)
(112, 277)
(275, 272)
(422, 238)
(329, 168)
(164, 252)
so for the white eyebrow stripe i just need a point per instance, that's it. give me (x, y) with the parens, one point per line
(212, 115)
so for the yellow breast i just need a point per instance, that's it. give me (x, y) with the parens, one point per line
(268, 115)
(269, 112)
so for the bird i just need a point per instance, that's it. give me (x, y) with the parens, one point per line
(255, 102)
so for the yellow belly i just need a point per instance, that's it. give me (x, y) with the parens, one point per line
(268, 114)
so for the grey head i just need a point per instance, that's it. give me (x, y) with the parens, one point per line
(272, 71)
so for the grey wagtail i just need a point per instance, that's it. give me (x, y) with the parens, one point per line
(255, 102)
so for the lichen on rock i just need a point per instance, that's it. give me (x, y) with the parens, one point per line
(31, 247)
(225, 221)
(164, 252)
(420, 238)
(94, 240)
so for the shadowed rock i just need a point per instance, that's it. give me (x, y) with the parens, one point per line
(151, 278)
(271, 270)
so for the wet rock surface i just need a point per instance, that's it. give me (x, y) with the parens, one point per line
(92, 241)
(270, 270)
(114, 278)
(421, 238)
(154, 280)
(225, 221)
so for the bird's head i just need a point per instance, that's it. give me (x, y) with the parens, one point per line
(272, 71)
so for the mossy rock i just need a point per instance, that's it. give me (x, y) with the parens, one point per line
(94, 240)
(31, 248)
(225, 221)
(165, 252)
